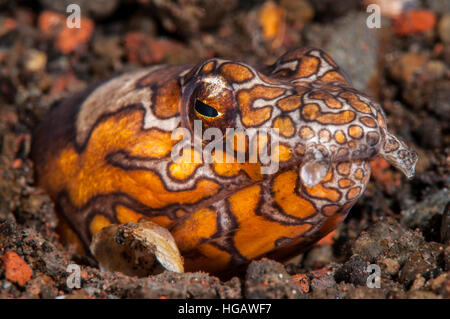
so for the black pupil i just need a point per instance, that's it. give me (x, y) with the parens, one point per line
(205, 109)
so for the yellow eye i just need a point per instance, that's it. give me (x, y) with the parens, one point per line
(205, 110)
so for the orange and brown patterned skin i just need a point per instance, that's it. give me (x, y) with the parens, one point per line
(105, 156)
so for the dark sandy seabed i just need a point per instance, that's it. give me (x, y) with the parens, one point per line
(402, 226)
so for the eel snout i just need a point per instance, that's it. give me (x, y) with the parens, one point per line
(316, 162)
(399, 154)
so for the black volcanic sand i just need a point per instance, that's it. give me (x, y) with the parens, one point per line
(402, 226)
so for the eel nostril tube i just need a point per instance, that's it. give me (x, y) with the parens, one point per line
(399, 154)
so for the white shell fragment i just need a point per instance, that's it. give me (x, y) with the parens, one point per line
(131, 249)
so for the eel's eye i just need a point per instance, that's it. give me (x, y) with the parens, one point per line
(205, 110)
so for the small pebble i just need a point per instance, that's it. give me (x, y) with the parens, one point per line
(444, 28)
(418, 283)
(35, 61)
(413, 22)
(16, 269)
(392, 266)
